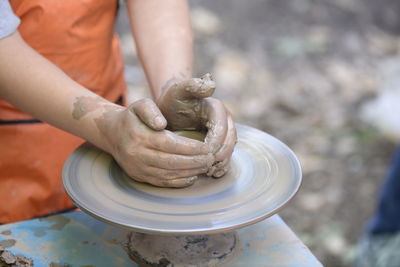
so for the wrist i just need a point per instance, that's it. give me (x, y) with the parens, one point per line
(162, 85)
(107, 126)
(162, 91)
(98, 125)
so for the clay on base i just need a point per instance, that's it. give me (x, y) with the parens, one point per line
(7, 259)
(176, 251)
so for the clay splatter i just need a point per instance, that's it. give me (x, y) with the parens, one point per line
(6, 232)
(7, 243)
(84, 105)
(9, 259)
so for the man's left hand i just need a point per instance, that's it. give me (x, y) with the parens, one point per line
(187, 105)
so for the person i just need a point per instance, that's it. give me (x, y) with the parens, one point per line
(61, 78)
(380, 243)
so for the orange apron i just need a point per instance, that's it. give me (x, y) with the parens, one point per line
(77, 36)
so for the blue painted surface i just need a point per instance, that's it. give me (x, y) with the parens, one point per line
(77, 239)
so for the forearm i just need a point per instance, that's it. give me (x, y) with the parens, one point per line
(36, 86)
(163, 37)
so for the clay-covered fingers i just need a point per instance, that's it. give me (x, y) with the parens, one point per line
(170, 178)
(159, 159)
(195, 88)
(216, 122)
(152, 155)
(163, 174)
(149, 113)
(223, 156)
(171, 143)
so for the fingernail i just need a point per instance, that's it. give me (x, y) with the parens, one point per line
(219, 173)
(210, 171)
(159, 121)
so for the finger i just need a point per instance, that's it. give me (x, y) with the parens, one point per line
(164, 174)
(220, 172)
(171, 143)
(229, 143)
(149, 114)
(196, 88)
(175, 183)
(222, 157)
(164, 160)
(216, 123)
(219, 169)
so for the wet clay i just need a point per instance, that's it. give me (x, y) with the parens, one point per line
(188, 105)
(8, 259)
(177, 251)
(182, 103)
(200, 136)
(196, 135)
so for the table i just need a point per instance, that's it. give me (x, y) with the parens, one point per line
(77, 239)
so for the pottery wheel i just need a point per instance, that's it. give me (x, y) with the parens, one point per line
(264, 174)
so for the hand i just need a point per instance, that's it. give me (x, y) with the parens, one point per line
(148, 153)
(187, 105)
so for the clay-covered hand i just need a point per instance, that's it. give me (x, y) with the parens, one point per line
(147, 152)
(187, 105)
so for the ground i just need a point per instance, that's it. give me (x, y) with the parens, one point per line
(302, 70)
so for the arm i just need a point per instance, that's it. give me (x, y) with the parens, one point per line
(36, 86)
(133, 135)
(163, 36)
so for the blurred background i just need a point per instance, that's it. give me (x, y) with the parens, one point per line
(306, 71)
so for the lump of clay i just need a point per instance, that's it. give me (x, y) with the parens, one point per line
(8, 259)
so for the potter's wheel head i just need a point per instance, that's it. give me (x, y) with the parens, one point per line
(264, 175)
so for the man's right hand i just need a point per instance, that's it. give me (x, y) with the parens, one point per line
(138, 141)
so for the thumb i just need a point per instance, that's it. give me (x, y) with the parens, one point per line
(149, 114)
(196, 88)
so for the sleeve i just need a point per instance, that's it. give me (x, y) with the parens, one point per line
(9, 22)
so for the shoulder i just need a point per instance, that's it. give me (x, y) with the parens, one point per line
(9, 22)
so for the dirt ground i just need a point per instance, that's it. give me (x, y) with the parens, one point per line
(301, 70)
